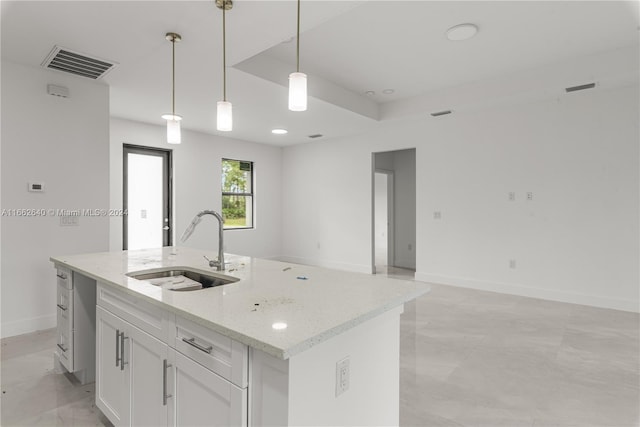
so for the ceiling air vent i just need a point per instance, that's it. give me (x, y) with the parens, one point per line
(441, 113)
(317, 135)
(68, 61)
(581, 87)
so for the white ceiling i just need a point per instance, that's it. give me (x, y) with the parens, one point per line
(347, 48)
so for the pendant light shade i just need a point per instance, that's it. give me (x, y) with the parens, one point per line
(173, 120)
(297, 91)
(225, 116)
(173, 128)
(224, 119)
(298, 80)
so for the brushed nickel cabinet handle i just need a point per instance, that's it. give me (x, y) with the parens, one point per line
(192, 342)
(122, 362)
(165, 396)
(62, 348)
(117, 347)
(62, 307)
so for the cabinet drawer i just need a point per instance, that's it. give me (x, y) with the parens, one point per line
(222, 355)
(63, 277)
(64, 350)
(146, 316)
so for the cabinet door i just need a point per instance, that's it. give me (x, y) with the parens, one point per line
(203, 398)
(146, 358)
(112, 383)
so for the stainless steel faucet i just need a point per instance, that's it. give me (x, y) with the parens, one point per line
(219, 264)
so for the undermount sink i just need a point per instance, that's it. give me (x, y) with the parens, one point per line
(182, 279)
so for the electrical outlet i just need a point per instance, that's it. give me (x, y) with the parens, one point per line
(437, 215)
(512, 196)
(512, 263)
(529, 195)
(342, 376)
(69, 220)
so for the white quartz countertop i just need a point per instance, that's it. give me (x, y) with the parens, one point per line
(271, 307)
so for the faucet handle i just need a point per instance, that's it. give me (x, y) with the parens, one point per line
(212, 263)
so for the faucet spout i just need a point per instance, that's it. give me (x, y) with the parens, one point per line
(219, 264)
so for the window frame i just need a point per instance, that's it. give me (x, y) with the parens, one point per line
(251, 194)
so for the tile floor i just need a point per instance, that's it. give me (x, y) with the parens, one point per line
(468, 358)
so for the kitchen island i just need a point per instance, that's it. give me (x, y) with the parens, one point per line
(282, 344)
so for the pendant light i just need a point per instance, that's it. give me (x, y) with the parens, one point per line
(224, 114)
(298, 80)
(173, 120)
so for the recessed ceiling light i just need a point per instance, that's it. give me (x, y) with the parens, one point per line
(370, 93)
(462, 32)
(279, 131)
(388, 91)
(279, 326)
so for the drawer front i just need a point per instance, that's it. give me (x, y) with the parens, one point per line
(64, 350)
(63, 277)
(222, 355)
(146, 316)
(64, 344)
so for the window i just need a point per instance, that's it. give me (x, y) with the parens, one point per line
(237, 194)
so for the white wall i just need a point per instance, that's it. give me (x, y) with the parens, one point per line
(197, 170)
(576, 241)
(63, 143)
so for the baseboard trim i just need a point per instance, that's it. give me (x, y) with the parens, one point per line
(357, 268)
(25, 326)
(527, 291)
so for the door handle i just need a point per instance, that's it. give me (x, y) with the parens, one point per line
(165, 396)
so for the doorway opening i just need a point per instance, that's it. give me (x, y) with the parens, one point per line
(146, 197)
(383, 218)
(394, 213)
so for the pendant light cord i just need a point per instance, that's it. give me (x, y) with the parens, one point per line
(224, 52)
(298, 41)
(173, 77)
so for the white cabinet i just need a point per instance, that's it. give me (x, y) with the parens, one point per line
(75, 305)
(111, 378)
(132, 373)
(203, 398)
(146, 358)
(142, 380)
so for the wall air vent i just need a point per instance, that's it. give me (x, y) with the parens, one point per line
(581, 87)
(441, 113)
(68, 61)
(317, 135)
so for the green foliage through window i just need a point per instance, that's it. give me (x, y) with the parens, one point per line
(237, 193)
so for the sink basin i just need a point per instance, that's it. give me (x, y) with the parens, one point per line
(182, 279)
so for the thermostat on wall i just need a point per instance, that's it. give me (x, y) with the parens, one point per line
(60, 91)
(36, 187)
